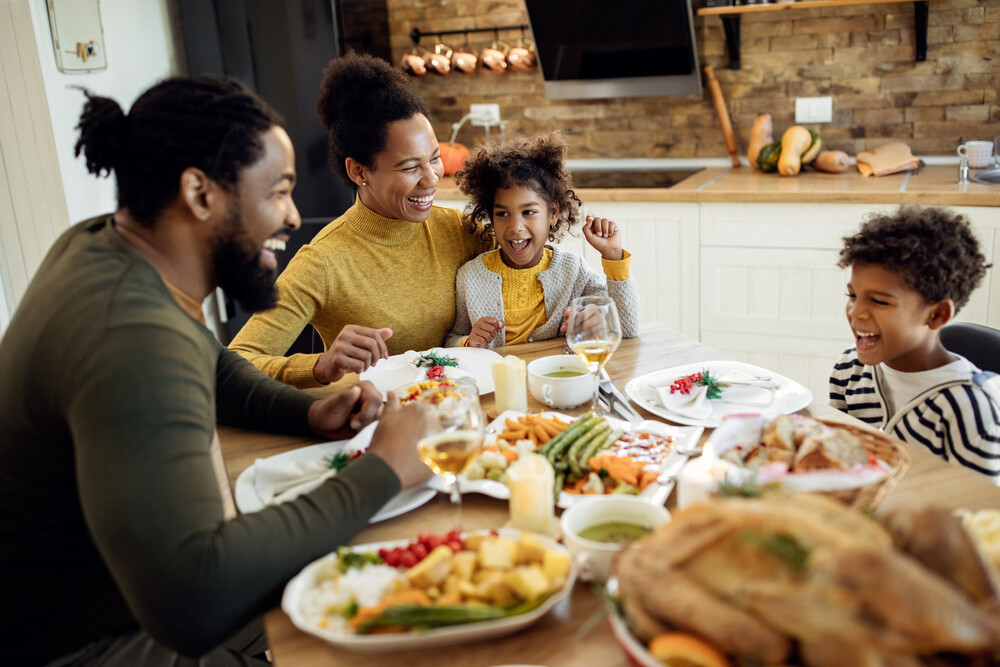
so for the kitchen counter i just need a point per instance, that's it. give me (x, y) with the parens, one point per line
(933, 184)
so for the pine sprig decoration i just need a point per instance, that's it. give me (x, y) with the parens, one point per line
(711, 382)
(434, 359)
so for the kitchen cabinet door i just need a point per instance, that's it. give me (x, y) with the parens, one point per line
(663, 241)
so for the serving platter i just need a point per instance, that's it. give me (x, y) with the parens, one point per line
(789, 396)
(291, 603)
(685, 437)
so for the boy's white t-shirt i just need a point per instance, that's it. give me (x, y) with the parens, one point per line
(900, 388)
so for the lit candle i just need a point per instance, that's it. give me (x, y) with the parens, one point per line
(530, 480)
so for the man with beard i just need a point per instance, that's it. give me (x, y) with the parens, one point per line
(118, 547)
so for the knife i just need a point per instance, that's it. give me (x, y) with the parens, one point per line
(616, 401)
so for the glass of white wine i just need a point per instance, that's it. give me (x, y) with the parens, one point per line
(452, 433)
(594, 332)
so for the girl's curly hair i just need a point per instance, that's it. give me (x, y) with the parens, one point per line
(932, 249)
(536, 163)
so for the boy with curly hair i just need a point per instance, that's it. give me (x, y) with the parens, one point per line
(521, 194)
(911, 271)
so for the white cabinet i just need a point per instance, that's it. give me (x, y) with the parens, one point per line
(770, 290)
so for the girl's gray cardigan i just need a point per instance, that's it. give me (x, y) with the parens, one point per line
(478, 294)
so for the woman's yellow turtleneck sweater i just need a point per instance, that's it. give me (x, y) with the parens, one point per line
(363, 269)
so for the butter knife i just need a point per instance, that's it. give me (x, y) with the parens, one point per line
(616, 401)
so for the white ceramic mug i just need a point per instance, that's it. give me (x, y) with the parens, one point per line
(560, 392)
(980, 153)
(595, 559)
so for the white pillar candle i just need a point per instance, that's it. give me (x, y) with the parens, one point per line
(531, 480)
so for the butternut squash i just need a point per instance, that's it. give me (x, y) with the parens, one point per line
(814, 148)
(833, 162)
(761, 134)
(794, 142)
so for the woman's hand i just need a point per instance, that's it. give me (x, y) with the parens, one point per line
(602, 234)
(395, 441)
(355, 348)
(484, 331)
(354, 407)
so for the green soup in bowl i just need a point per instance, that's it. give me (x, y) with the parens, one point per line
(564, 373)
(614, 532)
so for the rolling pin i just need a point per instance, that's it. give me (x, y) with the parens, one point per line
(723, 113)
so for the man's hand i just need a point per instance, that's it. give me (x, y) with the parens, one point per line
(353, 407)
(602, 234)
(395, 440)
(484, 331)
(356, 348)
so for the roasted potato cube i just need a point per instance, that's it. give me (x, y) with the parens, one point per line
(463, 564)
(529, 550)
(556, 565)
(433, 569)
(473, 541)
(497, 553)
(528, 581)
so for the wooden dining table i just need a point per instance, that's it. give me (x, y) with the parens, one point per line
(574, 632)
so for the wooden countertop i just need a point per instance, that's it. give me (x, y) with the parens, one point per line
(933, 184)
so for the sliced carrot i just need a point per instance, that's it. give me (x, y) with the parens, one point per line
(541, 435)
(509, 454)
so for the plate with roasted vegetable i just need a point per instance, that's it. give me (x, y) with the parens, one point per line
(704, 393)
(449, 363)
(431, 591)
(592, 454)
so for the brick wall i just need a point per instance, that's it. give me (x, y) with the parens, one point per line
(862, 56)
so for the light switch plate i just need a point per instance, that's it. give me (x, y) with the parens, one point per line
(813, 109)
(484, 115)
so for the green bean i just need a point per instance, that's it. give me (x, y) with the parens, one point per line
(597, 432)
(585, 427)
(568, 432)
(598, 445)
(431, 616)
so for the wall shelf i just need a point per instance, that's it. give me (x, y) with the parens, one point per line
(731, 20)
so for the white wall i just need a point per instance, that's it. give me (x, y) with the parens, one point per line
(140, 52)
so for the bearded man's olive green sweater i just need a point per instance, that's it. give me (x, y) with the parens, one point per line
(363, 269)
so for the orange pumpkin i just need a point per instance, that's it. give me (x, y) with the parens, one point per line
(453, 157)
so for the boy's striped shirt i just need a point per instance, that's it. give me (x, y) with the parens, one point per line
(958, 421)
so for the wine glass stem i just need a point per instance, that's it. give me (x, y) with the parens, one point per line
(456, 501)
(594, 405)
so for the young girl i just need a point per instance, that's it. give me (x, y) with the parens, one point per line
(521, 194)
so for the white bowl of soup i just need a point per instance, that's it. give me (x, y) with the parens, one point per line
(560, 381)
(596, 529)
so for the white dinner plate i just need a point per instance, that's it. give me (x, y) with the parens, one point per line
(248, 501)
(684, 437)
(789, 397)
(404, 641)
(396, 371)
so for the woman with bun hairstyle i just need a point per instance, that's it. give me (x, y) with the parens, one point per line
(380, 279)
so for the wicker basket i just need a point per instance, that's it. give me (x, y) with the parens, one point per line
(883, 447)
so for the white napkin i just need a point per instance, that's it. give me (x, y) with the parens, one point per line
(278, 480)
(746, 389)
(694, 405)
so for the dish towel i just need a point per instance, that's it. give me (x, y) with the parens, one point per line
(887, 159)
(278, 480)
